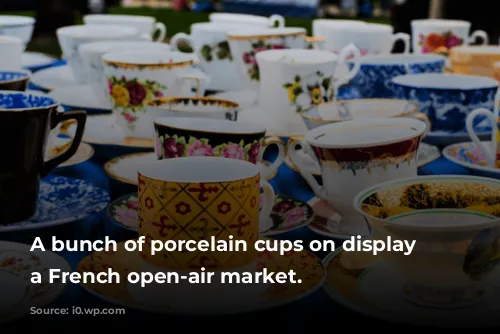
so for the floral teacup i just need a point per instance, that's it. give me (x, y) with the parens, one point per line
(177, 137)
(137, 77)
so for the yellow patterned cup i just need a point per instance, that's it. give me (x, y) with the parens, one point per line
(202, 198)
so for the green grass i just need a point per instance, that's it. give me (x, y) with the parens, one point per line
(175, 22)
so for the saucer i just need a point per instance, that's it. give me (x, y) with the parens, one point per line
(288, 214)
(442, 139)
(35, 61)
(61, 145)
(363, 283)
(19, 295)
(308, 268)
(63, 200)
(124, 168)
(470, 156)
(245, 98)
(79, 97)
(54, 77)
(426, 154)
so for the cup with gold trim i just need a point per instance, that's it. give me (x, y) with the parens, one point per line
(356, 154)
(136, 77)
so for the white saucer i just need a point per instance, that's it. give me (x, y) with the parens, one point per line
(54, 77)
(79, 97)
(60, 145)
(33, 60)
(245, 98)
(382, 287)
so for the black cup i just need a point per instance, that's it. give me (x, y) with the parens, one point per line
(25, 122)
(14, 80)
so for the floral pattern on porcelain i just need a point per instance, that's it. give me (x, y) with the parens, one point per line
(219, 51)
(131, 96)
(435, 42)
(251, 62)
(447, 109)
(375, 80)
(305, 92)
(470, 153)
(175, 147)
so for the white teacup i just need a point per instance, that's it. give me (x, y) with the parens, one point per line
(146, 25)
(358, 154)
(436, 35)
(135, 78)
(246, 19)
(293, 80)
(91, 54)
(245, 44)
(11, 51)
(370, 38)
(321, 27)
(70, 38)
(17, 26)
(210, 44)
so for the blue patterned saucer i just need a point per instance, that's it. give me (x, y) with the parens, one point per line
(470, 156)
(63, 200)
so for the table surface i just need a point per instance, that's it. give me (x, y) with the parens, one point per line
(314, 311)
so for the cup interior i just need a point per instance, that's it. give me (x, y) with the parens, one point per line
(209, 125)
(365, 132)
(199, 170)
(97, 31)
(400, 59)
(297, 56)
(15, 101)
(6, 76)
(105, 47)
(148, 57)
(445, 81)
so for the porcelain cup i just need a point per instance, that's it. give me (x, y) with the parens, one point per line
(475, 59)
(14, 80)
(246, 19)
(11, 49)
(17, 26)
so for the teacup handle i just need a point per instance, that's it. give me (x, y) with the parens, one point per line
(302, 167)
(266, 172)
(469, 124)
(479, 34)
(200, 83)
(162, 32)
(267, 206)
(277, 21)
(401, 36)
(80, 117)
(349, 51)
(181, 37)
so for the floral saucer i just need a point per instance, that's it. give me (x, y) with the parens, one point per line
(63, 200)
(19, 295)
(54, 77)
(365, 284)
(35, 61)
(426, 154)
(124, 168)
(80, 97)
(470, 156)
(307, 266)
(288, 214)
(61, 145)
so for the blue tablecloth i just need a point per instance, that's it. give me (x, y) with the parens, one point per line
(311, 310)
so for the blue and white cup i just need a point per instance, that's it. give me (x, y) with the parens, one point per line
(447, 99)
(374, 79)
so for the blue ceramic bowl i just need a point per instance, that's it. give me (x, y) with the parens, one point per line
(447, 99)
(374, 79)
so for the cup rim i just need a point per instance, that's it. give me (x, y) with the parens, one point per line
(108, 59)
(406, 81)
(400, 59)
(197, 124)
(420, 126)
(414, 108)
(28, 20)
(268, 33)
(53, 104)
(440, 22)
(203, 170)
(26, 73)
(267, 55)
(120, 17)
(160, 102)
(93, 47)
(122, 30)
(475, 50)
(363, 194)
(246, 17)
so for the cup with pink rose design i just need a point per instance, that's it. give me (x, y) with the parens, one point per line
(177, 137)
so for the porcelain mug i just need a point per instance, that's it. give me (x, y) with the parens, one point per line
(491, 149)
(437, 35)
(294, 80)
(146, 25)
(357, 154)
(202, 198)
(245, 44)
(91, 55)
(17, 26)
(180, 136)
(246, 19)
(70, 38)
(11, 49)
(137, 77)
(209, 43)
(25, 122)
